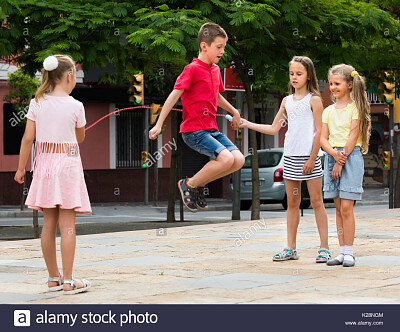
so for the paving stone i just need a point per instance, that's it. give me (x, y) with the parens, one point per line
(242, 280)
(233, 237)
(182, 267)
(269, 246)
(105, 240)
(142, 261)
(13, 277)
(8, 298)
(331, 229)
(378, 235)
(394, 279)
(24, 263)
(116, 249)
(376, 260)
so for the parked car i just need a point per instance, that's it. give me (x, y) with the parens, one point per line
(272, 183)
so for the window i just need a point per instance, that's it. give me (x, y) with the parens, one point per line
(129, 138)
(13, 129)
(265, 159)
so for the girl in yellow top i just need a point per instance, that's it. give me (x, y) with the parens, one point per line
(346, 128)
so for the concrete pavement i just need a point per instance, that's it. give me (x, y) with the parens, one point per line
(228, 262)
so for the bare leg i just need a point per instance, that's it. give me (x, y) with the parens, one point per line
(293, 212)
(48, 242)
(321, 217)
(68, 244)
(339, 221)
(237, 164)
(223, 163)
(346, 207)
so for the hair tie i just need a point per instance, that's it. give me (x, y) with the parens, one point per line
(50, 63)
(354, 73)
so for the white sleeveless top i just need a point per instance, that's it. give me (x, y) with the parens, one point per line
(299, 138)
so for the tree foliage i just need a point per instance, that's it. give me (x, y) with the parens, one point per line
(22, 88)
(263, 35)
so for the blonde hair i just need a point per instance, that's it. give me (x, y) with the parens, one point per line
(359, 95)
(312, 81)
(51, 78)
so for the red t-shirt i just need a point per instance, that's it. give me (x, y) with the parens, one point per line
(202, 84)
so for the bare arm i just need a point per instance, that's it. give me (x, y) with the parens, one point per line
(80, 134)
(340, 159)
(26, 146)
(279, 122)
(223, 103)
(317, 108)
(169, 103)
(325, 140)
(352, 141)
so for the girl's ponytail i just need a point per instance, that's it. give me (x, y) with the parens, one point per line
(44, 86)
(53, 70)
(364, 111)
(360, 98)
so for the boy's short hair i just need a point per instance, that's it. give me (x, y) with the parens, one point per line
(208, 32)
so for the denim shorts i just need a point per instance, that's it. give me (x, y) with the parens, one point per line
(208, 142)
(349, 185)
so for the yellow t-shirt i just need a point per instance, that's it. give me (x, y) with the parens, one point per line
(339, 124)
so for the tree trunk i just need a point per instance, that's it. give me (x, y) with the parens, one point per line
(35, 224)
(155, 176)
(255, 207)
(397, 190)
(397, 180)
(23, 193)
(180, 176)
(172, 172)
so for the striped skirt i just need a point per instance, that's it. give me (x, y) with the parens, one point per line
(293, 168)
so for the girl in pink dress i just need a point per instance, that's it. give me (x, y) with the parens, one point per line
(58, 186)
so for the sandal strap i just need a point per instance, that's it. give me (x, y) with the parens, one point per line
(292, 251)
(324, 251)
(71, 282)
(57, 279)
(287, 252)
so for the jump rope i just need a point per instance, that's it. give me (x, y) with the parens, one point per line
(227, 116)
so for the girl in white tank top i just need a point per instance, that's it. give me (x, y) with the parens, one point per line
(301, 111)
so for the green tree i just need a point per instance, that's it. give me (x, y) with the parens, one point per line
(22, 88)
(263, 35)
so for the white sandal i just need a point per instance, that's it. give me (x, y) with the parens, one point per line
(55, 288)
(86, 286)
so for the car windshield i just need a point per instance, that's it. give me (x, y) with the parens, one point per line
(265, 159)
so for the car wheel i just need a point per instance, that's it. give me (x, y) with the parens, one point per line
(284, 202)
(245, 205)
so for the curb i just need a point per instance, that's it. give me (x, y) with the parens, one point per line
(18, 214)
(163, 209)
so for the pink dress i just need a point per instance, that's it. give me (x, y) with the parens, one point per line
(58, 178)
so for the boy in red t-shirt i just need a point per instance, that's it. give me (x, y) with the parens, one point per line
(200, 86)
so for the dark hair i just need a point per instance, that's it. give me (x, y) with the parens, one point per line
(312, 81)
(208, 32)
(359, 95)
